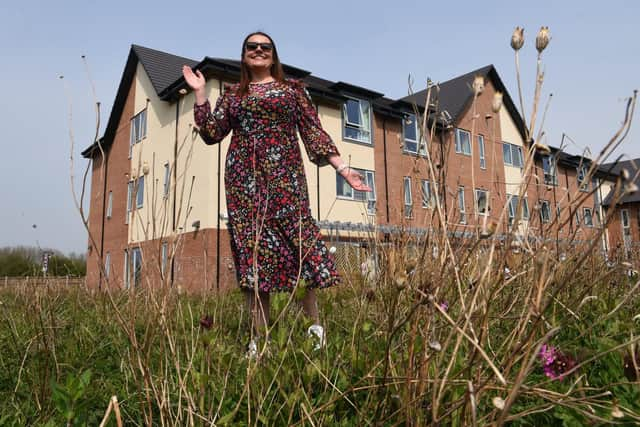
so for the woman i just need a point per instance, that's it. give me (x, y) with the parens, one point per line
(274, 239)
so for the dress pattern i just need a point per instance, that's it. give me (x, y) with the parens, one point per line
(274, 239)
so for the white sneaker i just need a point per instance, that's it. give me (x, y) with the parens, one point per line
(252, 349)
(317, 332)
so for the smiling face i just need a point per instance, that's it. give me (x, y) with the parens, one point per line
(255, 55)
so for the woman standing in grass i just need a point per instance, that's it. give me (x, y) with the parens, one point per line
(274, 239)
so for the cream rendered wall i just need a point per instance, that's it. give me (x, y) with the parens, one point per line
(513, 176)
(605, 189)
(196, 185)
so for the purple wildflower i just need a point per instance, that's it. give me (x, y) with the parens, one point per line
(206, 322)
(444, 305)
(555, 363)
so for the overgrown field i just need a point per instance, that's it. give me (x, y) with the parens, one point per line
(417, 341)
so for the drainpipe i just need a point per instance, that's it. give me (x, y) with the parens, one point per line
(175, 187)
(386, 180)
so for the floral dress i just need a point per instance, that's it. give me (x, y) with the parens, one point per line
(274, 239)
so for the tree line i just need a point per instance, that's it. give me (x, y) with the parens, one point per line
(22, 261)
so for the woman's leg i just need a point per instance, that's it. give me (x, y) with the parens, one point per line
(310, 306)
(258, 305)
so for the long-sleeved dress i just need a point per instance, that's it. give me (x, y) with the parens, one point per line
(274, 239)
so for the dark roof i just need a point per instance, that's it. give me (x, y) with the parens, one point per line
(162, 68)
(455, 95)
(633, 167)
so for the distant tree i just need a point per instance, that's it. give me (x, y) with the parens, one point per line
(21, 261)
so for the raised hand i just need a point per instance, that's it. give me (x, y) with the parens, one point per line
(195, 80)
(355, 180)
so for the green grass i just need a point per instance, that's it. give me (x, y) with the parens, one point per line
(392, 357)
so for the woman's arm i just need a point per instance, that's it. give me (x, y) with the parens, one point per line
(352, 176)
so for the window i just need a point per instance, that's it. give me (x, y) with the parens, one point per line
(107, 264)
(357, 120)
(512, 155)
(140, 192)
(463, 142)
(514, 201)
(558, 212)
(482, 202)
(136, 264)
(427, 194)
(583, 182)
(549, 168)
(577, 216)
(545, 211)
(127, 270)
(167, 180)
(109, 204)
(163, 258)
(483, 162)
(587, 213)
(138, 129)
(463, 215)
(129, 201)
(344, 190)
(408, 199)
(410, 134)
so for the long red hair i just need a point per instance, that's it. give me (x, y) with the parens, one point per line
(245, 72)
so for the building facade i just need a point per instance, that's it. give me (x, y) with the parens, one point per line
(158, 211)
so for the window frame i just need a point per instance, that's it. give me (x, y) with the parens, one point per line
(129, 201)
(408, 197)
(458, 142)
(138, 130)
(481, 152)
(421, 148)
(366, 196)
(486, 197)
(139, 190)
(512, 148)
(164, 251)
(346, 124)
(583, 182)
(543, 204)
(462, 205)
(107, 264)
(551, 175)
(427, 202)
(167, 180)
(584, 217)
(512, 209)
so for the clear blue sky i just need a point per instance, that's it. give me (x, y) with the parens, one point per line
(592, 65)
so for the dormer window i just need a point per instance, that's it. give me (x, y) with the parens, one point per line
(549, 168)
(357, 120)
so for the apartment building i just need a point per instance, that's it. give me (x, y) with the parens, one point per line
(158, 191)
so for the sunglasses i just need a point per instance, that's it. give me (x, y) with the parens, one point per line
(266, 47)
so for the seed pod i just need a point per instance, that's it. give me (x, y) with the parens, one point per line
(478, 85)
(517, 39)
(496, 104)
(542, 39)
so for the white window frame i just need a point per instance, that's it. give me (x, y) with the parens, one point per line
(545, 207)
(136, 266)
(140, 192)
(107, 264)
(588, 223)
(110, 205)
(138, 129)
(551, 171)
(460, 147)
(129, 201)
(408, 197)
(127, 270)
(512, 149)
(359, 127)
(576, 214)
(581, 177)
(359, 196)
(478, 192)
(421, 147)
(427, 193)
(461, 205)
(513, 201)
(481, 152)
